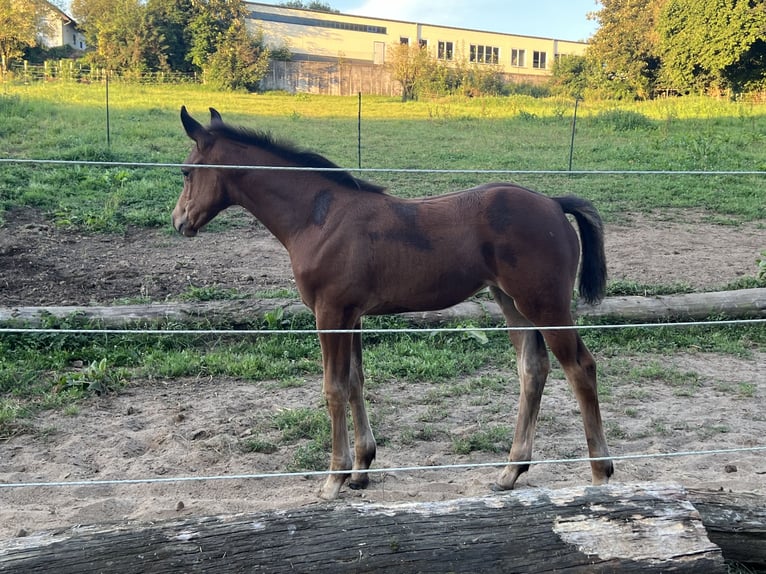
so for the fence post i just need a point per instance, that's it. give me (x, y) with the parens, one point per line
(571, 142)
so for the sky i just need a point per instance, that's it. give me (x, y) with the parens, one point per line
(560, 19)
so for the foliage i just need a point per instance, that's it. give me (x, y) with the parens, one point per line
(421, 75)
(412, 67)
(313, 5)
(712, 44)
(175, 35)
(683, 46)
(239, 62)
(22, 21)
(569, 76)
(761, 262)
(621, 50)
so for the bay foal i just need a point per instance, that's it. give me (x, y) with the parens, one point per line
(355, 250)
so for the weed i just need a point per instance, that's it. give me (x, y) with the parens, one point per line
(209, 293)
(493, 439)
(97, 378)
(256, 444)
(746, 390)
(311, 456)
(303, 423)
(624, 120)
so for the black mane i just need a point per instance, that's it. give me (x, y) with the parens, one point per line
(290, 152)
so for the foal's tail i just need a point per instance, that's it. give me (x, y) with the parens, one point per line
(593, 268)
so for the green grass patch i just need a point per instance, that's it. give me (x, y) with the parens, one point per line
(515, 133)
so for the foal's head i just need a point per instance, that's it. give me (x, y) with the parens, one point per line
(204, 194)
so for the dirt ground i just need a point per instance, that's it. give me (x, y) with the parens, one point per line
(196, 427)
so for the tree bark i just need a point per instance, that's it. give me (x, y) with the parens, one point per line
(745, 303)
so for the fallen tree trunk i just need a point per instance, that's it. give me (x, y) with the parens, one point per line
(736, 522)
(625, 528)
(744, 303)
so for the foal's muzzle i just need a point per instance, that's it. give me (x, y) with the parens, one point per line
(181, 225)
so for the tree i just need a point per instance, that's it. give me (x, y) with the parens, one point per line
(169, 20)
(211, 20)
(240, 62)
(622, 50)
(314, 5)
(412, 67)
(22, 22)
(712, 44)
(570, 76)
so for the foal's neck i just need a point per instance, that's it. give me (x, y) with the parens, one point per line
(282, 200)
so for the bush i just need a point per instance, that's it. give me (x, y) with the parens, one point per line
(624, 120)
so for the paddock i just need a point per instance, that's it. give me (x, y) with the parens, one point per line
(194, 428)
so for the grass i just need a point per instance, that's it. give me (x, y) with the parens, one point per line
(67, 121)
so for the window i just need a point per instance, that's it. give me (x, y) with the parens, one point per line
(316, 22)
(538, 60)
(484, 54)
(423, 43)
(404, 41)
(517, 58)
(445, 51)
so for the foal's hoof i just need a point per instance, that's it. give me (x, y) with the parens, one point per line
(330, 489)
(359, 483)
(496, 487)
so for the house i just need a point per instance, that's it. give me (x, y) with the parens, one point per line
(61, 30)
(332, 37)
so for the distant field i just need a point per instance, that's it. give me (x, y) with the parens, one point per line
(68, 121)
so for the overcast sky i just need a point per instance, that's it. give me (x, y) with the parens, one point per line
(561, 19)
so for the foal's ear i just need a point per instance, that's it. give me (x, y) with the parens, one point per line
(195, 130)
(215, 117)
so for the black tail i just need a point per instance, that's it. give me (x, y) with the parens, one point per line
(593, 269)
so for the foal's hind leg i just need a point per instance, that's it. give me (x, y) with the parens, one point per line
(580, 369)
(364, 441)
(533, 368)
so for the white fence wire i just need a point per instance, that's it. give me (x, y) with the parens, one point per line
(275, 475)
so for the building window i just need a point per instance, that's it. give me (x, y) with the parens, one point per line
(484, 54)
(404, 41)
(423, 43)
(445, 51)
(517, 58)
(538, 60)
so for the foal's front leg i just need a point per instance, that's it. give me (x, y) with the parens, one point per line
(336, 360)
(364, 441)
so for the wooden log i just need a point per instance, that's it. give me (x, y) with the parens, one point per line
(740, 304)
(744, 303)
(736, 522)
(625, 528)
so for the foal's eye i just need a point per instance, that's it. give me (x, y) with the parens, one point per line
(186, 173)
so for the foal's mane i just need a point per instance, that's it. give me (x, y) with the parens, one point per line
(290, 152)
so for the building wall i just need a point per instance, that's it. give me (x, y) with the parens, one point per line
(322, 36)
(61, 30)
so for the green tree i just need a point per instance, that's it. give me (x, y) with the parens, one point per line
(713, 44)
(116, 31)
(208, 26)
(240, 62)
(412, 67)
(314, 5)
(570, 75)
(22, 22)
(622, 51)
(169, 20)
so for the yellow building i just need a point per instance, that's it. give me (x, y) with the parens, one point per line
(332, 37)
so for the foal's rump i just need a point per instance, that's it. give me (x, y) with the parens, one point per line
(529, 243)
